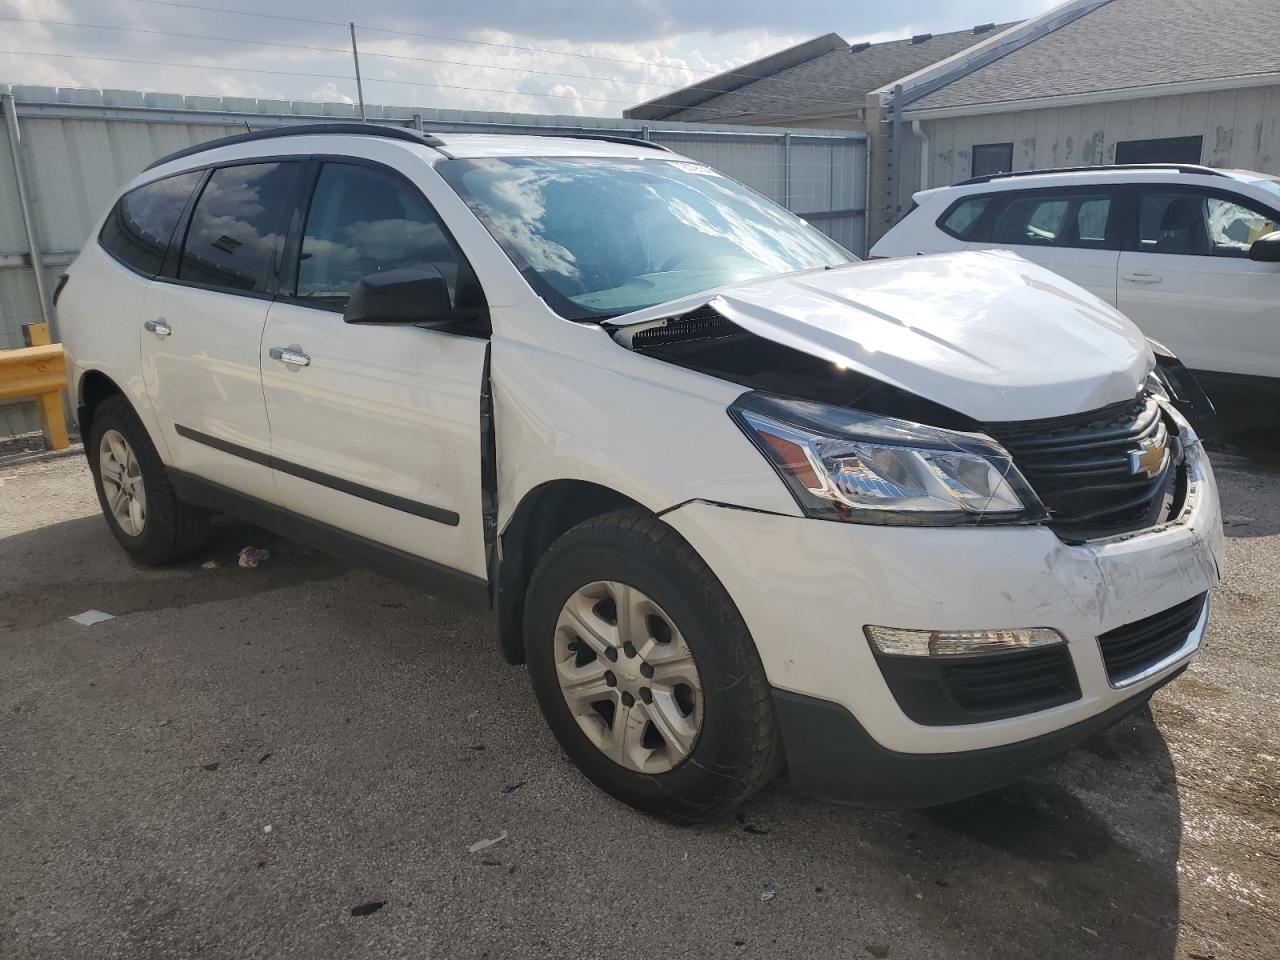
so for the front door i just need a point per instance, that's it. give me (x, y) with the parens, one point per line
(202, 328)
(1186, 279)
(375, 429)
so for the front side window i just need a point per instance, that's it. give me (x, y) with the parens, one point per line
(140, 225)
(600, 237)
(364, 221)
(1191, 223)
(1053, 220)
(237, 226)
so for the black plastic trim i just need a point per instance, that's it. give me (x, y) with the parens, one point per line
(437, 579)
(831, 756)
(424, 510)
(977, 688)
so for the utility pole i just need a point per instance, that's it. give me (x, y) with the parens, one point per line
(355, 55)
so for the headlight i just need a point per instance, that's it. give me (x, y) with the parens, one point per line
(846, 465)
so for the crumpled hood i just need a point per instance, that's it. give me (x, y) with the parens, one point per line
(987, 333)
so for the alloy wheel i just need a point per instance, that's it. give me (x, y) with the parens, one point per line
(122, 482)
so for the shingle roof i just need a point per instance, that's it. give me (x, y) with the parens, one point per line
(835, 81)
(1128, 43)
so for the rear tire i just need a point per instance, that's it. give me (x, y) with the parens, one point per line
(699, 735)
(139, 503)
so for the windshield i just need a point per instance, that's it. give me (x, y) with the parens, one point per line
(600, 237)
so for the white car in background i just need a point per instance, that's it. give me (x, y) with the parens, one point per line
(1190, 254)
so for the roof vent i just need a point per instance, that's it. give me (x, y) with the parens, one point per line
(921, 37)
(859, 47)
(984, 28)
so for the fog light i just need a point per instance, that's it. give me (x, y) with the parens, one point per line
(953, 643)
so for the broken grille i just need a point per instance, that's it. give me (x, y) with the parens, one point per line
(1081, 468)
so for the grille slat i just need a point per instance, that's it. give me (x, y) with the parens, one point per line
(1132, 648)
(1079, 466)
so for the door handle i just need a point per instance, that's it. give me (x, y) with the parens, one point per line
(290, 356)
(160, 327)
(1141, 277)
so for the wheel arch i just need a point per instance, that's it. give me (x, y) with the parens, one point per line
(542, 515)
(94, 387)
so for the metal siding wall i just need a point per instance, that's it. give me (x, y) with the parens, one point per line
(81, 146)
(1241, 130)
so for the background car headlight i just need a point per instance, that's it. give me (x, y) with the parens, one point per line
(843, 464)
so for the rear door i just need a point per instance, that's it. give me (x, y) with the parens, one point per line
(203, 323)
(1074, 231)
(375, 429)
(1186, 278)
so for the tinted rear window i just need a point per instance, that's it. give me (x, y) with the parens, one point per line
(138, 229)
(963, 216)
(237, 225)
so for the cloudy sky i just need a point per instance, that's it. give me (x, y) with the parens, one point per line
(534, 56)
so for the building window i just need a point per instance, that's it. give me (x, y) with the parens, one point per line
(1161, 150)
(992, 158)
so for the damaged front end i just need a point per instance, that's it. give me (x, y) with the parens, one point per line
(872, 416)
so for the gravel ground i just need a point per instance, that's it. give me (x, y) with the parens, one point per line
(241, 757)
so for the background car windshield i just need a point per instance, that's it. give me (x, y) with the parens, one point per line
(597, 238)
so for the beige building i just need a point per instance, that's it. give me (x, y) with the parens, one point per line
(1089, 82)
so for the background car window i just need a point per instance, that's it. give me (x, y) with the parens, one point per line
(1199, 225)
(1233, 227)
(140, 225)
(961, 219)
(1071, 220)
(237, 225)
(364, 221)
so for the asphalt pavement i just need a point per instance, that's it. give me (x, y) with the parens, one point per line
(299, 760)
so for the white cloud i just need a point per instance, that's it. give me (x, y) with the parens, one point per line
(594, 59)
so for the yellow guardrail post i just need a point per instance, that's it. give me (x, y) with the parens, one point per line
(39, 371)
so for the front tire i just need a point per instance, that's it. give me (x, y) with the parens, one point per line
(645, 670)
(138, 501)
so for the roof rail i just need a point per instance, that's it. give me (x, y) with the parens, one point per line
(608, 138)
(302, 129)
(374, 130)
(1095, 168)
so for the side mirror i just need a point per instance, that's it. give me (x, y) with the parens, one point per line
(1266, 248)
(416, 295)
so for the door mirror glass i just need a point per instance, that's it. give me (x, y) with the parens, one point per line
(417, 295)
(1266, 249)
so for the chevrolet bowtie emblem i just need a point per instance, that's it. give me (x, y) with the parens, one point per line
(1148, 460)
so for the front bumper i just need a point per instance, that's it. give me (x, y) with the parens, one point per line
(806, 588)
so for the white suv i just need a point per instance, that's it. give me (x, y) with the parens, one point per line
(1190, 254)
(733, 496)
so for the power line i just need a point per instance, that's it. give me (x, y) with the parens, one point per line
(483, 43)
(403, 58)
(295, 73)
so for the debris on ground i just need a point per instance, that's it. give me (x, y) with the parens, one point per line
(264, 758)
(90, 617)
(486, 844)
(210, 565)
(250, 557)
(364, 909)
(491, 862)
(513, 787)
(767, 894)
(267, 828)
(210, 766)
